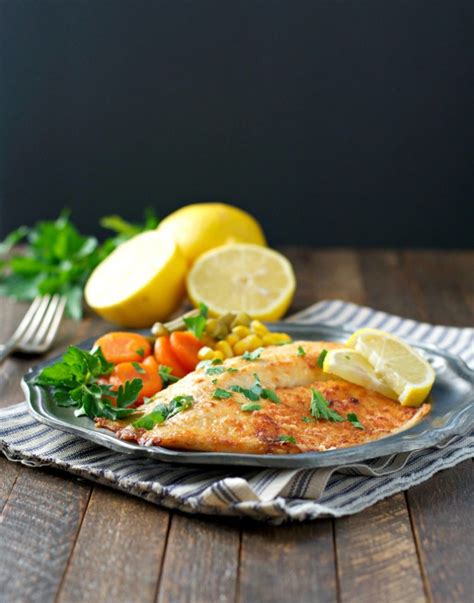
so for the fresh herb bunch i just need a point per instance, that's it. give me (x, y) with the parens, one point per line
(59, 259)
(75, 381)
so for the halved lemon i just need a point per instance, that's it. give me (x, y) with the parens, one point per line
(142, 281)
(353, 367)
(401, 367)
(243, 277)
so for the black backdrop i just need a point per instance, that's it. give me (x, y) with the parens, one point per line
(336, 123)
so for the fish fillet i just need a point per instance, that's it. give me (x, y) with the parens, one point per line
(221, 426)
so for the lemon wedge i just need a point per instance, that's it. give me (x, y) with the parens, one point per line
(353, 367)
(243, 278)
(198, 227)
(142, 281)
(401, 367)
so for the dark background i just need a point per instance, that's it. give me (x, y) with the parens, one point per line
(335, 123)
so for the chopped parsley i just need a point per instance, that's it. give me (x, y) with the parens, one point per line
(321, 358)
(222, 394)
(287, 438)
(140, 352)
(218, 370)
(250, 406)
(307, 420)
(352, 418)
(162, 412)
(300, 351)
(256, 392)
(207, 363)
(255, 355)
(320, 408)
(270, 394)
(197, 324)
(165, 373)
(250, 394)
(138, 368)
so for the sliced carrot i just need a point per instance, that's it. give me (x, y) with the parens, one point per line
(147, 371)
(186, 347)
(120, 346)
(165, 355)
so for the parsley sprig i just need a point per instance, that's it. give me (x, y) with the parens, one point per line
(255, 355)
(162, 412)
(320, 408)
(253, 393)
(74, 381)
(165, 373)
(197, 324)
(59, 259)
(321, 358)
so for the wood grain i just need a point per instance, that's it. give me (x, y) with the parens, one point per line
(201, 561)
(9, 473)
(119, 548)
(293, 562)
(377, 557)
(438, 290)
(38, 530)
(444, 526)
(440, 509)
(387, 286)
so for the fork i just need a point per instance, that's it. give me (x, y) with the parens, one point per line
(37, 330)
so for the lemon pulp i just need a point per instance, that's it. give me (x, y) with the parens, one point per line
(243, 278)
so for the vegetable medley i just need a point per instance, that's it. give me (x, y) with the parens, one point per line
(123, 370)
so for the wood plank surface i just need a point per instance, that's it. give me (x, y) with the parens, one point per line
(201, 560)
(120, 549)
(38, 530)
(64, 539)
(377, 557)
(440, 509)
(444, 526)
(293, 562)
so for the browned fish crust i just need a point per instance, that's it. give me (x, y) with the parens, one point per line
(221, 426)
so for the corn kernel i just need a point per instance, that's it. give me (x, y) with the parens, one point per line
(206, 353)
(258, 328)
(217, 355)
(241, 331)
(232, 339)
(225, 348)
(276, 338)
(247, 344)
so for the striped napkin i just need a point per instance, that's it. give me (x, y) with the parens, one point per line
(272, 495)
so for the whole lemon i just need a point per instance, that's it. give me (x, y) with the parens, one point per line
(199, 227)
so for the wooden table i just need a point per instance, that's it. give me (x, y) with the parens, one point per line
(66, 539)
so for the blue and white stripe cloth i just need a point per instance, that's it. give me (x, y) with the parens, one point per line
(270, 495)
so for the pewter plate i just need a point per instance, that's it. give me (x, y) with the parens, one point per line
(452, 414)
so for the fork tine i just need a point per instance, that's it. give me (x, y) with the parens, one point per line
(47, 319)
(53, 329)
(21, 328)
(35, 322)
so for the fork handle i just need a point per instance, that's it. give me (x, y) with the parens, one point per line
(7, 349)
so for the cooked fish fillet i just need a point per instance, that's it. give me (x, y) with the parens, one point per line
(219, 425)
